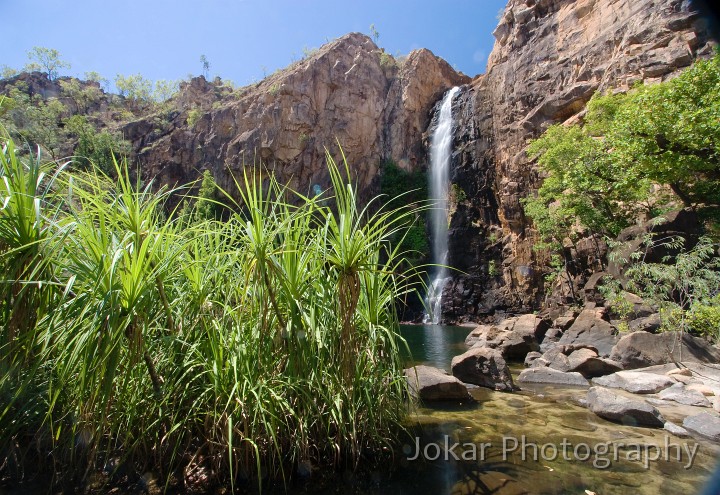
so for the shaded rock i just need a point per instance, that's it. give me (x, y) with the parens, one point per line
(588, 328)
(551, 338)
(551, 376)
(637, 305)
(565, 321)
(641, 349)
(480, 332)
(531, 358)
(582, 358)
(513, 337)
(531, 324)
(676, 430)
(431, 384)
(620, 409)
(682, 395)
(706, 425)
(650, 324)
(485, 367)
(635, 382)
(591, 366)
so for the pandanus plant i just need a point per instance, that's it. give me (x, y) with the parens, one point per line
(205, 346)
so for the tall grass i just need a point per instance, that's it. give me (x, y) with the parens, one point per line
(222, 351)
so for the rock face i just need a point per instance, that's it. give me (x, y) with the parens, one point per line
(484, 367)
(635, 382)
(705, 424)
(589, 328)
(551, 376)
(687, 396)
(550, 56)
(619, 409)
(581, 358)
(349, 91)
(433, 384)
(513, 337)
(641, 349)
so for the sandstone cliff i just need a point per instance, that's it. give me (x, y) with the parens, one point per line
(550, 56)
(349, 91)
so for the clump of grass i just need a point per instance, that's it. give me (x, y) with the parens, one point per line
(230, 351)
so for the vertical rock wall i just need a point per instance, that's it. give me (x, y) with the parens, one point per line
(550, 57)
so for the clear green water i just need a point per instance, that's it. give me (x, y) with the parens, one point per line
(548, 417)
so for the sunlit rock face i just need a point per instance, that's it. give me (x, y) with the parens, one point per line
(550, 56)
(347, 92)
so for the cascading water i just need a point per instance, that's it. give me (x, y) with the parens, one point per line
(440, 152)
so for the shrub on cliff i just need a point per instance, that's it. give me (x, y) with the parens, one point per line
(600, 175)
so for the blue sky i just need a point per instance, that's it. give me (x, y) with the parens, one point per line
(242, 39)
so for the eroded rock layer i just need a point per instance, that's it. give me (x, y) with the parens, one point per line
(348, 92)
(550, 56)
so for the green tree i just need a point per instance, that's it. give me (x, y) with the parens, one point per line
(599, 175)
(135, 87)
(47, 60)
(83, 95)
(7, 72)
(205, 66)
(374, 33)
(32, 119)
(95, 147)
(164, 90)
(670, 132)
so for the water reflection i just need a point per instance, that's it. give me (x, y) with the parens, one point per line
(545, 416)
(434, 345)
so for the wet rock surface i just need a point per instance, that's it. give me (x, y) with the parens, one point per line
(433, 384)
(617, 408)
(551, 376)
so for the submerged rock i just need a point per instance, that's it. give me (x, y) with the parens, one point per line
(428, 383)
(620, 409)
(635, 382)
(676, 430)
(484, 367)
(551, 376)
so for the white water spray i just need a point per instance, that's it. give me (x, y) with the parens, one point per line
(440, 153)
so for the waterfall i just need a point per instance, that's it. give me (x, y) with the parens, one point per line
(440, 153)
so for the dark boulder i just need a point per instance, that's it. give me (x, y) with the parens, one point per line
(642, 349)
(432, 384)
(582, 358)
(650, 324)
(484, 367)
(590, 328)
